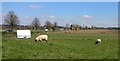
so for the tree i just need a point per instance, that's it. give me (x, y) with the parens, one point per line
(92, 27)
(11, 19)
(80, 27)
(86, 27)
(48, 25)
(55, 24)
(36, 23)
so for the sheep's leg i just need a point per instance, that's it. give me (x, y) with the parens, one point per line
(40, 40)
(46, 41)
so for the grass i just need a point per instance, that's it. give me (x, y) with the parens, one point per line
(62, 45)
(0, 46)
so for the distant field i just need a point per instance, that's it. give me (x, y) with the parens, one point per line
(62, 45)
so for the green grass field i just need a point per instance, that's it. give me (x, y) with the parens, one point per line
(0, 46)
(62, 45)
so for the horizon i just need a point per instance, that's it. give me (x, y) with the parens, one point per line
(100, 14)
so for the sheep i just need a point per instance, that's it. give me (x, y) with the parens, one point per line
(41, 38)
(98, 41)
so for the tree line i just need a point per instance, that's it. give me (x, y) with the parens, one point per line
(12, 20)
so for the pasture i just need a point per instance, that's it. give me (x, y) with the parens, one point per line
(62, 45)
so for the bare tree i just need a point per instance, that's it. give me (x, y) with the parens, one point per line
(86, 27)
(54, 27)
(93, 27)
(11, 19)
(48, 25)
(36, 23)
(55, 24)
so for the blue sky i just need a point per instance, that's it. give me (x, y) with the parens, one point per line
(59, 0)
(103, 14)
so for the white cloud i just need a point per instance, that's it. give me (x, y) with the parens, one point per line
(114, 25)
(35, 6)
(51, 16)
(86, 16)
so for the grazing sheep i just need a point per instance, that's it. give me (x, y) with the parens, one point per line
(41, 38)
(98, 41)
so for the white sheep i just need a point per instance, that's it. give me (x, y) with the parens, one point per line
(41, 38)
(98, 41)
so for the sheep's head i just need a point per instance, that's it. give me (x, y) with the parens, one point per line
(35, 40)
(98, 41)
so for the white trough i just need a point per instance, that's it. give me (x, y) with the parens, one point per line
(23, 34)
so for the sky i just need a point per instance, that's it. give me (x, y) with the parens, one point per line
(60, 0)
(103, 14)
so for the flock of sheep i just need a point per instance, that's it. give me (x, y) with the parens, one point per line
(41, 38)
